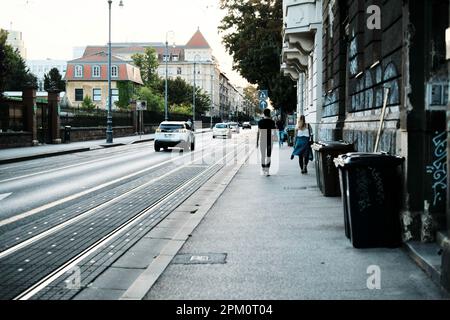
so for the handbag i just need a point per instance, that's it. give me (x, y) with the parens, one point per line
(311, 136)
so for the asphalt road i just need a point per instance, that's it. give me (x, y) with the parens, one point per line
(33, 184)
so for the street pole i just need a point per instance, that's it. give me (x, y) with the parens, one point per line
(165, 95)
(193, 95)
(109, 131)
(212, 99)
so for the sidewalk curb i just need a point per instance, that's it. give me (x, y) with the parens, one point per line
(143, 284)
(43, 155)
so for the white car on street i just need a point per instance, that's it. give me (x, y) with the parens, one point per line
(174, 134)
(222, 130)
(234, 127)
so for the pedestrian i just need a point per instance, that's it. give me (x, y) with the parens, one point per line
(264, 140)
(302, 146)
(280, 127)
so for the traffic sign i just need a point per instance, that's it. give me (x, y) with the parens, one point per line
(263, 94)
(141, 105)
(262, 104)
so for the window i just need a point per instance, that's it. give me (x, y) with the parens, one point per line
(114, 71)
(78, 71)
(97, 94)
(78, 94)
(174, 58)
(96, 72)
(178, 70)
(114, 95)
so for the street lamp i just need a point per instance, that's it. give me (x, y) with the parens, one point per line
(109, 130)
(166, 116)
(193, 90)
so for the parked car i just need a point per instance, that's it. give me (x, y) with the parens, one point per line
(246, 125)
(174, 134)
(222, 130)
(234, 127)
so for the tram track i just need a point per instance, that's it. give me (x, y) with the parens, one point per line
(198, 172)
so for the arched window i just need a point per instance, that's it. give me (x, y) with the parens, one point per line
(78, 71)
(114, 71)
(96, 71)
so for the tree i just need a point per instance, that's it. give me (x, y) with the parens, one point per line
(126, 94)
(53, 81)
(14, 74)
(88, 104)
(155, 102)
(148, 64)
(252, 35)
(251, 100)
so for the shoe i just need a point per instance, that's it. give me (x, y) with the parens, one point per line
(292, 156)
(306, 170)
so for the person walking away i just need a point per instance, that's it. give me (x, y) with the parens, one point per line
(280, 127)
(302, 145)
(264, 140)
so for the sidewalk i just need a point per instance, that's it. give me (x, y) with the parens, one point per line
(277, 238)
(48, 150)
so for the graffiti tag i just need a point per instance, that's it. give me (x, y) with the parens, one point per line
(439, 167)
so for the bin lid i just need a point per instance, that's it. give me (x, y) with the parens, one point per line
(332, 145)
(368, 159)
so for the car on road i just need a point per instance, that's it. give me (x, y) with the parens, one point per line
(234, 127)
(222, 130)
(246, 125)
(174, 134)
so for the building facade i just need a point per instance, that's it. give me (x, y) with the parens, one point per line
(15, 40)
(42, 67)
(394, 52)
(180, 61)
(87, 76)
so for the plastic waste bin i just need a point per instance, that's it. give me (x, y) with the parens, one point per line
(67, 130)
(372, 186)
(327, 174)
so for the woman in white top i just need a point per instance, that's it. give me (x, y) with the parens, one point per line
(302, 146)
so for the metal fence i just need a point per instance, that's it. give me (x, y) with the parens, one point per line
(11, 115)
(78, 117)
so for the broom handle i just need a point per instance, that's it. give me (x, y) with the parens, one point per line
(383, 112)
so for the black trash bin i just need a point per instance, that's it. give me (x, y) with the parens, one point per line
(327, 174)
(67, 130)
(372, 187)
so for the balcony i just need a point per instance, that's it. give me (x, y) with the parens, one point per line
(302, 18)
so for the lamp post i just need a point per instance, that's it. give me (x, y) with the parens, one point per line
(109, 130)
(212, 100)
(193, 90)
(166, 116)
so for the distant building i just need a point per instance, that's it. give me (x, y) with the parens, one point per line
(15, 40)
(87, 76)
(42, 67)
(181, 61)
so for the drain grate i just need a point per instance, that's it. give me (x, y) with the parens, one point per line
(200, 258)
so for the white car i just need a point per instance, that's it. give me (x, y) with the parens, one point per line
(234, 127)
(174, 134)
(222, 130)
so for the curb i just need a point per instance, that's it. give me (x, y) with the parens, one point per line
(42, 155)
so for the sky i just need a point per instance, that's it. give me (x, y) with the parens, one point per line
(52, 28)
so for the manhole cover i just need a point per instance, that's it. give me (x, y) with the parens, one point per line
(200, 258)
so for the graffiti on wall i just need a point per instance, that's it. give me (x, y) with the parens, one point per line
(438, 168)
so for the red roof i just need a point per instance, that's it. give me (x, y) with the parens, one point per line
(197, 41)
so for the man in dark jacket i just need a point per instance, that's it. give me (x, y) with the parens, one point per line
(264, 140)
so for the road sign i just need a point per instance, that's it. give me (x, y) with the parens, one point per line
(263, 94)
(262, 104)
(141, 105)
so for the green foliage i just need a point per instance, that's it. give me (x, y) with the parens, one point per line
(126, 92)
(180, 93)
(252, 35)
(14, 74)
(155, 102)
(53, 81)
(181, 109)
(88, 104)
(148, 64)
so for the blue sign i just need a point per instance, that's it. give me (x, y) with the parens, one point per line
(263, 94)
(263, 104)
